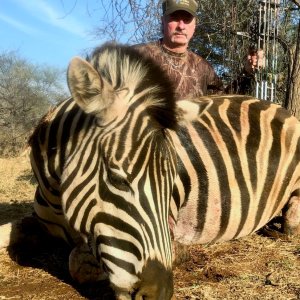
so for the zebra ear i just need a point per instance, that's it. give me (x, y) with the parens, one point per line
(90, 91)
(190, 110)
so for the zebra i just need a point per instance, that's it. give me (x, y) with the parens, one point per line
(125, 170)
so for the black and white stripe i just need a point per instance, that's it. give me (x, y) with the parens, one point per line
(106, 166)
(238, 168)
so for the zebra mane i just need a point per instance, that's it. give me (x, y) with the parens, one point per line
(124, 66)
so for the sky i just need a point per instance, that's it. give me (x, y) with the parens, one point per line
(47, 32)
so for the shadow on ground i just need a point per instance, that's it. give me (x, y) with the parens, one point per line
(36, 249)
(52, 257)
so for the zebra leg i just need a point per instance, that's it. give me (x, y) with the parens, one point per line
(84, 267)
(291, 215)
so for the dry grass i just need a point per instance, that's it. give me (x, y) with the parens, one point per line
(254, 267)
(16, 188)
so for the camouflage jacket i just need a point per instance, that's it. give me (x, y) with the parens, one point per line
(191, 74)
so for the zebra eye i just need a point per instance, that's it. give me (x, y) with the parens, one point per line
(118, 181)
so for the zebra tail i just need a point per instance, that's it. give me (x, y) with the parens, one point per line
(6, 236)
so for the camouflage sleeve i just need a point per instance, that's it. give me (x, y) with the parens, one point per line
(214, 83)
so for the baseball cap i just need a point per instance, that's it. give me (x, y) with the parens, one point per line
(169, 6)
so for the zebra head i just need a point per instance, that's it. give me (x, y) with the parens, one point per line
(131, 169)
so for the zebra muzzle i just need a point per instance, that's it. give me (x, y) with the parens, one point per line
(156, 283)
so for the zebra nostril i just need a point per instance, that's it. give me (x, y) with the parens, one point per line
(137, 296)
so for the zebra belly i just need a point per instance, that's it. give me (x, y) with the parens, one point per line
(188, 231)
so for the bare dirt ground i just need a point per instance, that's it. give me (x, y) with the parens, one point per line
(254, 267)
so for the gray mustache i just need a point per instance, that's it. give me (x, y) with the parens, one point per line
(180, 33)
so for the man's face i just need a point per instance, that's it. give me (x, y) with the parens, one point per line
(178, 28)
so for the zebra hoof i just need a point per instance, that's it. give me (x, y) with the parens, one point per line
(291, 231)
(291, 216)
(83, 266)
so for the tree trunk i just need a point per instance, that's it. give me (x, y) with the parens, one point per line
(293, 104)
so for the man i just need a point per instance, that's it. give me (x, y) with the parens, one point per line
(191, 74)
